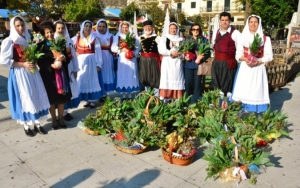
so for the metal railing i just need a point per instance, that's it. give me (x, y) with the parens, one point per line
(220, 9)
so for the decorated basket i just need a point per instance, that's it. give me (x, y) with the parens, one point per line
(174, 159)
(147, 112)
(131, 150)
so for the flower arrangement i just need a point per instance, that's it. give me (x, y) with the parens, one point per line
(188, 48)
(254, 48)
(128, 43)
(32, 54)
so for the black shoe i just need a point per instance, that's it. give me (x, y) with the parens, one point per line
(87, 105)
(29, 132)
(68, 117)
(62, 125)
(40, 129)
(55, 127)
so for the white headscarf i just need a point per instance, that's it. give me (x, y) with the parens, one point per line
(92, 34)
(15, 37)
(176, 37)
(247, 36)
(122, 35)
(107, 35)
(65, 35)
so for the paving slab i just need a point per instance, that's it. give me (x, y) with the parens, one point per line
(7, 157)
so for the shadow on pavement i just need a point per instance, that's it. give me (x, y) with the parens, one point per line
(74, 179)
(277, 98)
(3, 89)
(140, 180)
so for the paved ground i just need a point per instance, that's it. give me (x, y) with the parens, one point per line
(71, 158)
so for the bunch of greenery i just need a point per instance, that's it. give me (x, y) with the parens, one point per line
(31, 54)
(58, 44)
(254, 47)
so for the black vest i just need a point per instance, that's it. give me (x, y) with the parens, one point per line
(149, 45)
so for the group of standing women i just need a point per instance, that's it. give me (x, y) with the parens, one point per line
(85, 69)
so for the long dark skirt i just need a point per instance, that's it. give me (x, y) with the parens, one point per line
(149, 73)
(222, 77)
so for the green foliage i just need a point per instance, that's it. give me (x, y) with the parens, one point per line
(58, 44)
(157, 14)
(203, 47)
(127, 13)
(187, 46)
(196, 18)
(31, 53)
(80, 10)
(254, 47)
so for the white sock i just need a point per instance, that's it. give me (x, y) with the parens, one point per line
(92, 104)
(65, 112)
(26, 127)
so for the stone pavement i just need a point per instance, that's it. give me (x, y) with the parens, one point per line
(71, 158)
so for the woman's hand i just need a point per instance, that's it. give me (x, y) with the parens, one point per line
(56, 64)
(29, 65)
(199, 58)
(187, 57)
(124, 50)
(175, 54)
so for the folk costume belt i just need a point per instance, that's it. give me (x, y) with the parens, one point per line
(154, 55)
(231, 62)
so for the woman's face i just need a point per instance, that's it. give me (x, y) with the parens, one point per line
(60, 29)
(125, 28)
(253, 24)
(87, 28)
(49, 34)
(195, 30)
(20, 27)
(101, 28)
(173, 29)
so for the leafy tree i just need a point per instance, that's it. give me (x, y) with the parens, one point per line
(80, 10)
(156, 13)
(196, 18)
(277, 13)
(127, 13)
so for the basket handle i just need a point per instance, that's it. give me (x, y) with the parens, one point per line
(146, 111)
(236, 151)
(191, 112)
(171, 147)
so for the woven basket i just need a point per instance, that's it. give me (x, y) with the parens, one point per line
(181, 161)
(147, 112)
(129, 150)
(226, 174)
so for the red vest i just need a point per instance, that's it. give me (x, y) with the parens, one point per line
(224, 43)
(85, 49)
(18, 53)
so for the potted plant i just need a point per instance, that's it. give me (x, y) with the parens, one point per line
(128, 43)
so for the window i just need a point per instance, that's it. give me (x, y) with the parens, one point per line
(193, 4)
(179, 5)
(209, 6)
(227, 5)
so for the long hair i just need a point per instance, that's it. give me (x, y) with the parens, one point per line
(200, 29)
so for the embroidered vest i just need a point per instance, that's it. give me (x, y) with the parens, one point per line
(85, 49)
(149, 45)
(224, 43)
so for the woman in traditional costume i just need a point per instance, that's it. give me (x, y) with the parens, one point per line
(127, 73)
(251, 85)
(61, 30)
(54, 72)
(28, 99)
(89, 57)
(172, 73)
(106, 40)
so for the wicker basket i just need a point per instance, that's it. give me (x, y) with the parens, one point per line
(147, 112)
(129, 150)
(181, 161)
